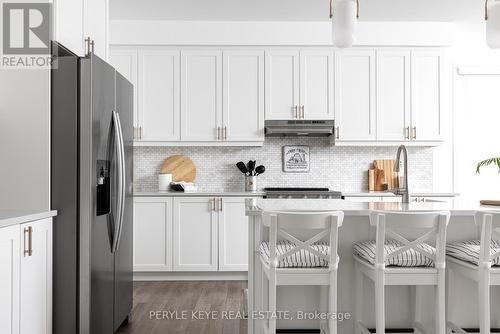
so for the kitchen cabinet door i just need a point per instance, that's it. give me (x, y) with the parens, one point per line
(282, 84)
(95, 25)
(68, 25)
(233, 235)
(426, 95)
(355, 95)
(243, 95)
(316, 84)
(159, 91)
(9, 279)
(75, 20)
(393, 95)
(201, 95)
(124, 60)
(36, 278)
(195, 234)
(153, 234)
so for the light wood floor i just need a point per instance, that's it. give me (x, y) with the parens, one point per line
(186, 296)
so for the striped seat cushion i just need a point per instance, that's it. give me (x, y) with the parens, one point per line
(300, 259)
(469, 250)
(409, 258)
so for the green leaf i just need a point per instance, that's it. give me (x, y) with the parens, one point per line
(488, 162)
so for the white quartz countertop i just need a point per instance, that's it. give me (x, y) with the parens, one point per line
(391, 194)
(456, 207)
(202, 193)
(198, 194)
(13, 217)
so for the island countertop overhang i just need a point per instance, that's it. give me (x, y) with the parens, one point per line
(457, 207)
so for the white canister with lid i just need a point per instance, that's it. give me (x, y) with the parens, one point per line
(164, 181)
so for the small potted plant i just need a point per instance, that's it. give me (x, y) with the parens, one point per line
(488, 162)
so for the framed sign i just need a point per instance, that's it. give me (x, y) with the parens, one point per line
(296, 159)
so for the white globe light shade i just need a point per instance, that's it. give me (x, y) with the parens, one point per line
(493, 25)
(344, 23)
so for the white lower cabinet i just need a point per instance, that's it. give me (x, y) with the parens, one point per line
(233, 235)
(36, 278)
(9, 279)
(195, 234)
(26, 278)
(153, 234)
(190, 234)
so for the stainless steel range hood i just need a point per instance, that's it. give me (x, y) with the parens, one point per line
(295, 128)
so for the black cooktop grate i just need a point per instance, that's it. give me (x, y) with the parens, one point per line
(295, 189)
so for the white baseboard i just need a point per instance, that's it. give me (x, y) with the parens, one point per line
(190, 276)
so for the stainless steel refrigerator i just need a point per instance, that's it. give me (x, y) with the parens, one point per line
(91, 188)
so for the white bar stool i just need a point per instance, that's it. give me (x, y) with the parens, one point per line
(392, 259)
(479, 261)
(287, 260)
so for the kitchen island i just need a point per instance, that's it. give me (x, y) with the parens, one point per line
(356, 228)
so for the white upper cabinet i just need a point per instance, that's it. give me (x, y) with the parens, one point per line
(216, 97)
(195, 234)
(153, 234)
(243, 95)
(299, 84)
(124, 60)
(76, 20)
(316, 84)
(201, 95)
(9, 279)
(233, 235)
(426, 95)
(393, 95)
(95, 25)
(159, 95)
(282, 84)
(355, 95)
(68, 25)
(36, 278)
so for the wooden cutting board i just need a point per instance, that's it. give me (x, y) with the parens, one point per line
(182, 168)
(391, 177)
(490, 202)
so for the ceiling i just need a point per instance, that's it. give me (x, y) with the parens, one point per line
(293, 10)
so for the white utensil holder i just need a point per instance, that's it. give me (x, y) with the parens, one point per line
(251, 183)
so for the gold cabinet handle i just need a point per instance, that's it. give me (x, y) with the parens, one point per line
(414, 132)
(337, 132)
(407, 132)
(225, 133)
(296, 112)
(212, 201)
(28, 231)
(302, 112)
(220, 204)
(218, 133)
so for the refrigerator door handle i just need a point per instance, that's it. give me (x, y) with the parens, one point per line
(121, 182)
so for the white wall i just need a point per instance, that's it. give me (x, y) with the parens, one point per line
(149, 32)
(24, 139)
(476, 111)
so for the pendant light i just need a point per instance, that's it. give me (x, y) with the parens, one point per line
(492, 17)
(344, 15)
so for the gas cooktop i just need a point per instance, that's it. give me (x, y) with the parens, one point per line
(301, 192)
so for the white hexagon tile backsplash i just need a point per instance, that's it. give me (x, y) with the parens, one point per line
(339, 168)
